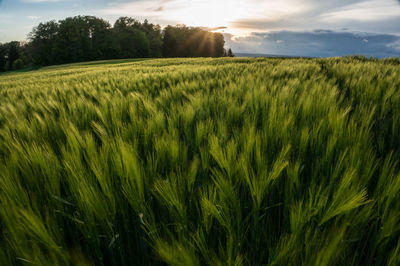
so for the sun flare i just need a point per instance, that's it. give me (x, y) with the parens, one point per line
(209, 13)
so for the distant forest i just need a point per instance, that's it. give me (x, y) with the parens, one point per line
(86, 38)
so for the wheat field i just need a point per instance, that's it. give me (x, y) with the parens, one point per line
(201, 162)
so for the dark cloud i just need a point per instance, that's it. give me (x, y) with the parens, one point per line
(318, 43)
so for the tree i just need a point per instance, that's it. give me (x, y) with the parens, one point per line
(102, 44)
(153, 34)
(42, 40)
(182, 41)
(230, 53)
(73, 42)
(132, 42)
(84, 38)
(173, 41)
(9, 53)
(3, 57)
(13, 53)
(18, 64)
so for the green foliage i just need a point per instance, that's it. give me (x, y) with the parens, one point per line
(182, 41)
(18, 64)
(86, 38)
(7, 66)
(11, 56)
(230, 53)
(229, 161)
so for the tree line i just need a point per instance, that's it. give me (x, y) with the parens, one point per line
(86, 38)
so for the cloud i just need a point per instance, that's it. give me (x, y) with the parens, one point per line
(245, 16)
(158, 9)
(371, 10)
(210, 13)
(258, 24)
(325, 43)
(214, 28)
(395, 45)
(40, 1)
(137, 8)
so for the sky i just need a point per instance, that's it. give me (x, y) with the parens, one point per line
(280, 27)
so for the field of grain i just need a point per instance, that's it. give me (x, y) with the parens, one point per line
(201, 162)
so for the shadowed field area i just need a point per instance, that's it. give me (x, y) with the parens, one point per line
(201, 162)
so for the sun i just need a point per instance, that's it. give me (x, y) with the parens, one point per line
(210, 13)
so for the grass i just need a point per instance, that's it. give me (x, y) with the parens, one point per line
(201, 162)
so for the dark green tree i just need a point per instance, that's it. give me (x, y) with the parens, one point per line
(101, 43)
(131, 40)
(41, 48)
(73, 42)
(84, 38)
(174, 37)
(182, 41)
(18, 64)
(154, 35)
(230, 53)
(13, 52)
(3, 57)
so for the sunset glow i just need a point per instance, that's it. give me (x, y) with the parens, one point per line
(210, 13)
(298, 27)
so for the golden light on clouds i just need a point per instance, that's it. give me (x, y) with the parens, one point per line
(209, 13)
